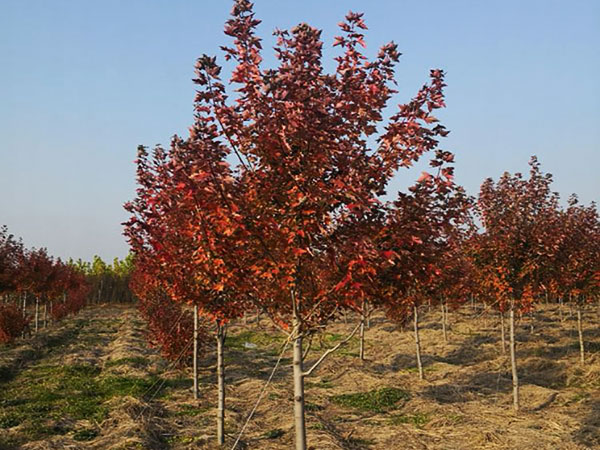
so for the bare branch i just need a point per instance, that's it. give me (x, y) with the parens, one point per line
(331, 350)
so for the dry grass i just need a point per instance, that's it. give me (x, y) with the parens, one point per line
(464, 402)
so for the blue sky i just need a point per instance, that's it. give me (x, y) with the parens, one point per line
(83, 82)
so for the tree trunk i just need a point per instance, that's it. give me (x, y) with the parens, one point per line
(502, 333)
(221, 385)
(37, 314)
(195, 352)
(24, 304)
(531, 321)
(570, 306)
(560, 309)
(513, 360)
(418, 342)
(362, 331)
(444, 322)
(299, 421)
(580, 331)
(367, 316)
(45, 319)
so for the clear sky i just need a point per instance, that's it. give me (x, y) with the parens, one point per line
(83, 82)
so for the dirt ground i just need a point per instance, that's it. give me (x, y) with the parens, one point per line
(92, 382)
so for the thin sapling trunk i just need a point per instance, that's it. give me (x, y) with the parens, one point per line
(580, 332)
(444, 321)
(502, 332)
(513, 360)
(362, 331)
(37, 314)
(195, 352)
(221, 385)
(418, 342)
(298, 374)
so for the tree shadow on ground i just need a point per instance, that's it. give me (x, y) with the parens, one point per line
(469, 352)
(588, 433)
(484, 384)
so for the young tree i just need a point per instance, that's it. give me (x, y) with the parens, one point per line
(578, 258)
(422, 228)
(307, 181)
(518, 244)
(307, 174)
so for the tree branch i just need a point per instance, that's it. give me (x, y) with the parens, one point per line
(328, 352)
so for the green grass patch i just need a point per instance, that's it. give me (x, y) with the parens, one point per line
(379, 400)
(191, 411)
(418, 419)
(426, 369)
(274, 434)
(308, 406)
(135, 361)
(328, 340)
(181, 439)
(9, 419)
(323, 384)
(258, 338)
(85, 434)
(42, 395)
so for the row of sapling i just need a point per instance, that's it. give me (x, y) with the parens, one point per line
(169, 325)
(58, 289)
(109, 282)
(283, 229)
(274, 203)
(575, 274)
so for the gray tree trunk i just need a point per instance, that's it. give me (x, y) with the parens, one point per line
(195, 352)
(444, 322)
(418, 342)
(45, 316)
(560, 309)
(531, 321)
(24, 304)
(502, 333)
(221, 385)
(299, 420)
(580, 332)
(362, 331)
(37, 314)
(513, 360)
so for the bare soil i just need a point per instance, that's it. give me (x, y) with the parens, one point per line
(92, 382)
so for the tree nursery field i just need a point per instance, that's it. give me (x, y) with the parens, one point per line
(281, 293)
(93, 382)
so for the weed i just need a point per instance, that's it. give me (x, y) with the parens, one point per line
(136, 361)
(418, 419)
(379, 400)
(85, 434)
(260, 339)
(274, 434)
(191, 411)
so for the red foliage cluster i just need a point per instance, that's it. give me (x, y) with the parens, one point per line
(34, 274)
(12, 323)
(169, 325)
